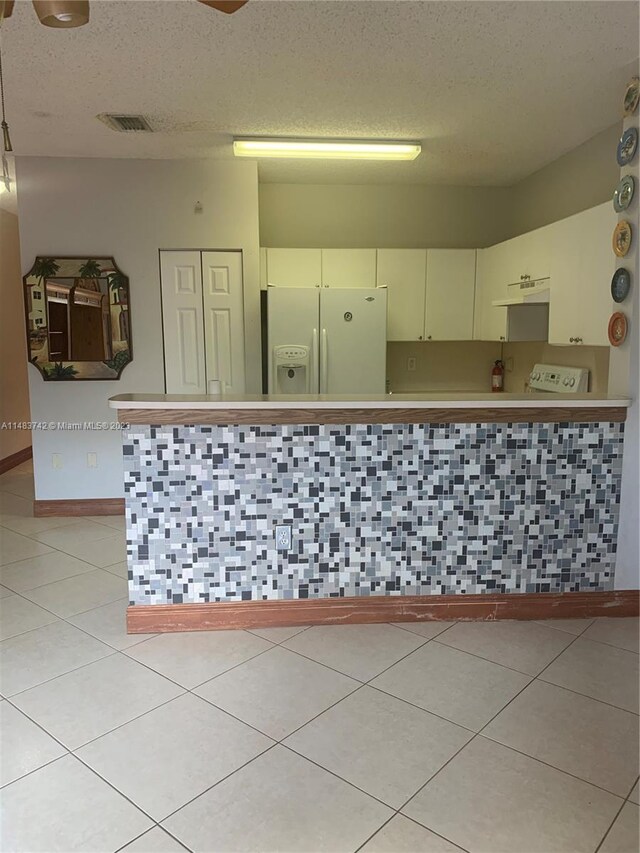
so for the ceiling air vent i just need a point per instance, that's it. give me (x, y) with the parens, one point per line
(126, 124)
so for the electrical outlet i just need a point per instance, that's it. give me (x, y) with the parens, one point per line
(56, 460)
(283, 537)
(508, 365)
(92, 460)
(411, 364)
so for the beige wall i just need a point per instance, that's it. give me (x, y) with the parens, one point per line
(421, 216)
(390, 216)
(520, 358)
(441, 366)
(14, 388)
(580, 179)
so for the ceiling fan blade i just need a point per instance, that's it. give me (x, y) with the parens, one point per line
(227, 6)
(6, 8)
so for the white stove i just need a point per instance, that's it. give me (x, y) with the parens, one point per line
(557, 379)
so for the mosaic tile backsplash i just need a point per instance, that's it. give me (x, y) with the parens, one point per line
(375, 510)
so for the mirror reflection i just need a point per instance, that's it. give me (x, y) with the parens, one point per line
(78, 321)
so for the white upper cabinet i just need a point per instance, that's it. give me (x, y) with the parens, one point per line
(489, 322)
(294, 267)
(524, 258)
(348, 267)
(582, 264)
(450, 294)
(403, 272)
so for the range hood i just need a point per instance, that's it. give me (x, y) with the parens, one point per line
(525, 293)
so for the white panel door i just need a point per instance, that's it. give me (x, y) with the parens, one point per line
(403, 273)
(451, 283)
(348, 267)
(263, 269)
(294, 267)
(182, 322)
(353, 341)
(224, 319)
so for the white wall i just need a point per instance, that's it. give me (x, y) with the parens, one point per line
(129, 209)
(14, 391)
(624, 379)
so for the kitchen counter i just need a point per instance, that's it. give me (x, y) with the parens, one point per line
(397, 498)
(384, 408)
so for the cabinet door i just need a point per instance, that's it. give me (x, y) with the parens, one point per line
(582, 264)
(224, 319)
(348, 267)
(525, 255)
(489, 322)
(182, 322)
(294, 267)
(537, 253)
(451, 281)
(403, 273)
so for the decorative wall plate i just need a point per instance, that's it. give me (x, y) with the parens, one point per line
(627, 146)
(617, 329)
(631, 96)
(620, 284)
(623, 194)
(622, 238)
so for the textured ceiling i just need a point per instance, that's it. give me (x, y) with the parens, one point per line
(493, 90)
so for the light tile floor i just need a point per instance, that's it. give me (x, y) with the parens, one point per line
(510, 737)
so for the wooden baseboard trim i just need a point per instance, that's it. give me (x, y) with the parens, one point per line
(16, 458)
(158, 618)
(79, 506)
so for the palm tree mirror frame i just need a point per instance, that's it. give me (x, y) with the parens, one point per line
(78, 320)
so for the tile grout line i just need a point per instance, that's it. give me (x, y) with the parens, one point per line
(361, 684)
(513, 698)
(617, 815)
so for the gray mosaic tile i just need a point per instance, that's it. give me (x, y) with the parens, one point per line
(376, 509)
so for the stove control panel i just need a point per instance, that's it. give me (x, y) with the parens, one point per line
(557, 379)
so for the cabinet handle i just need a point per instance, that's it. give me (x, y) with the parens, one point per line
(420, 337)
(428, 337)
(578, 340)
(501, 337)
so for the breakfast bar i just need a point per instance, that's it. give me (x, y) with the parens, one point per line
(396, 507)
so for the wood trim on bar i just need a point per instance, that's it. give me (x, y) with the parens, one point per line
(79, 506)
(520, 414)
(15, 459)
(157, 618)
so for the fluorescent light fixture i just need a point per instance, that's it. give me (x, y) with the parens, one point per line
(323, 149)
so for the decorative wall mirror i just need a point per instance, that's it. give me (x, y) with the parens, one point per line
(78, 321)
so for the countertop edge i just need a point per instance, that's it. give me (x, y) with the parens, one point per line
(261, 405)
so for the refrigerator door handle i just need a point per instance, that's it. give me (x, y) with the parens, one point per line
(324, 363)
(313, 367)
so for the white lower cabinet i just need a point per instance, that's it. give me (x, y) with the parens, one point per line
(403, 273)
(450, 294)
(582, 264)
(202, 321)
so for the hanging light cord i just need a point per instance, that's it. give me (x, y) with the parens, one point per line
(2, 84)
(5, 126)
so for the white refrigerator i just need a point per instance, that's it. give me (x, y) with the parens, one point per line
(327, 341)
